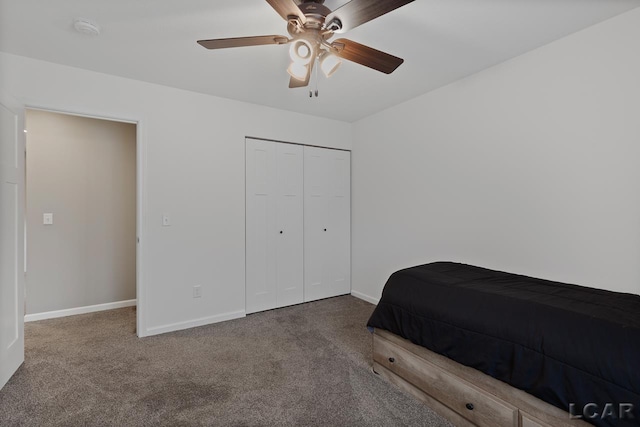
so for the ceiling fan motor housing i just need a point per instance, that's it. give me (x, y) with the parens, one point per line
(313, 30)
(315, 14)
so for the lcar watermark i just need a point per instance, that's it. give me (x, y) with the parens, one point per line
(591, 411)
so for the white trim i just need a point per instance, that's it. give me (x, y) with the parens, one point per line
(194, 323)
(78, 310)
(108, 117)
(141, 211)
(365, 297)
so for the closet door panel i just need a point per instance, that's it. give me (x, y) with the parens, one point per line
(316, 243)
(339, 221)
(289, 236)
(327, 224)
(261, 272)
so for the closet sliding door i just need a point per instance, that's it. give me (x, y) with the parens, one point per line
(274, 225)
(327, 223)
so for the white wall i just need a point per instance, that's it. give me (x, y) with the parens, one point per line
(82, 170)
(532, 167)
(193, 169)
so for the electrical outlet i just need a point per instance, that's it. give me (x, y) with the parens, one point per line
(197, 291)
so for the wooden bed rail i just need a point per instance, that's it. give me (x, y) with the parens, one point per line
(465, 396)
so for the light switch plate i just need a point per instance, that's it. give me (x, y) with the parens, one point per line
(47, 218)
(166, 221)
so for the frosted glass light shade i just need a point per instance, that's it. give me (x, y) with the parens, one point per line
(298, 70)
(301, 51)
(329, 63)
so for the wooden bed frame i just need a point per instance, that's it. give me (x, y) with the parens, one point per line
(463, 395)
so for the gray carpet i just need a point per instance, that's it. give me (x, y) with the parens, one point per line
(302, 365)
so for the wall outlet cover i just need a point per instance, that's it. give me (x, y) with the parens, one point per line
(197, 291)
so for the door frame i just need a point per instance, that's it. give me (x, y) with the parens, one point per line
(141, 196)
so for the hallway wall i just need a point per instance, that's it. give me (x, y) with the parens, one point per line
(82, 170)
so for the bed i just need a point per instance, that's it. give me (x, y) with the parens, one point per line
(485, 347)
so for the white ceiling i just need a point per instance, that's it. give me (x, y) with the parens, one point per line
(155, 40)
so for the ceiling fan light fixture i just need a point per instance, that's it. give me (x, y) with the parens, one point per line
(329, 63)
(311, 25)
(301, 51)
(298, 71)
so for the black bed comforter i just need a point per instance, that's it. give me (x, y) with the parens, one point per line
(577, 348)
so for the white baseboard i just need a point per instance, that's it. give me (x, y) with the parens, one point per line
(194, 323)
(366, 298)
(78, 310)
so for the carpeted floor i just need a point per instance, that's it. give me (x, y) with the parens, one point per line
(302, 365)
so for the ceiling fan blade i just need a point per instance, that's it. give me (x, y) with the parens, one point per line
(367, 56)
(287, 8)
(294, 83)
(243, 41)
(357, 12)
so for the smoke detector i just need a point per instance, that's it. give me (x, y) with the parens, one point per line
(86, 26)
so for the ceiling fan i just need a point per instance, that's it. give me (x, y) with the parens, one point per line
(311, 24)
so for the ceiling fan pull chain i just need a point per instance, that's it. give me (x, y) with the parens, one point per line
(316, 70)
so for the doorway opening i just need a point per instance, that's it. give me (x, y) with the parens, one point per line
(82, 214)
